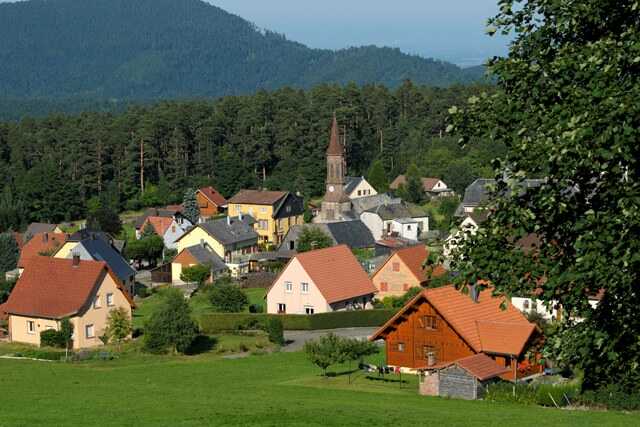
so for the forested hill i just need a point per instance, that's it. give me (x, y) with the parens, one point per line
(153, 49)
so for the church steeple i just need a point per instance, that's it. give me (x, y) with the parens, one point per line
(335, 147)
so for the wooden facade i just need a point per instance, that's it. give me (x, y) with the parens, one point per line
(208, 208)
(414, 340)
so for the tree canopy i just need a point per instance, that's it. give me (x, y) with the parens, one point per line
(170, 326)
(312, 238)
(566, 111)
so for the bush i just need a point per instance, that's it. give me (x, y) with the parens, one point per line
(275, 330)
(256, 308)
(526, 394)
(219, 322)
(52, 338)
(227, 298)
(556, 394)
(170, 326)
(611, 397)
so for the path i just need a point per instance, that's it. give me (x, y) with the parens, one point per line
(296, 339)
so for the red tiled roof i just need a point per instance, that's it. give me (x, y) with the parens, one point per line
(213, 196)
(160, 224)
(479, 365)
(427, 183)
(40, 243)
(335, 147)
(480, 324)
(257, 197)
(337, 273)
(174, 208)
(54, 288)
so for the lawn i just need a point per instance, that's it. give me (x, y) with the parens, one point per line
(256, 296)
(274, 390)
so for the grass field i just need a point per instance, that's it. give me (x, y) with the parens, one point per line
(275, 389)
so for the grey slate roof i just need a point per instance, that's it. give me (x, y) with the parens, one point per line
(206, 256)
(237, 231)
(103, 251)
(362, 204)
(476, 193)
(354, 234)
(351, 182)
(396, 211)
(39, 227)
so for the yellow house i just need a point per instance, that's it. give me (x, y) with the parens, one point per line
(274, 211)
(52, 289)
(232, 239)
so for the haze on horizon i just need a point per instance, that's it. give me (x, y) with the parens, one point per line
(452, 30)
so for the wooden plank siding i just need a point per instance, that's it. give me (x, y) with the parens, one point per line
(411, 332)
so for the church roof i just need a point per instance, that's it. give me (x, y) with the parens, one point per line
(335, 147)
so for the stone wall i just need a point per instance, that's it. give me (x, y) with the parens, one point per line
(458, 383)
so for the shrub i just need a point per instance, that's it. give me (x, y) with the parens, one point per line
(256, 308)
(611, 397)
(503, 392)
(170, 326)
(228, 298)
(51, 338)
(275, 330)
(555, 394)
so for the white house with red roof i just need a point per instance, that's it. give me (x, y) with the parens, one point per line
(169, 228)
(321, 281)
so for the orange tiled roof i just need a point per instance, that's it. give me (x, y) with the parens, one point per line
(160, 224)
(337, 273)
(40, 243)
(213, 195)
(481, 324)
(54, 288)
(427, 183)
(257, 197)
(414, 257)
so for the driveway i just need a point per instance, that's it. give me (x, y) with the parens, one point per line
(296, 339)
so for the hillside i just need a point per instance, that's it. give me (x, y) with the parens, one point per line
(152, 49)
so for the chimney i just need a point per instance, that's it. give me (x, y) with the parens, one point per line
(240, 216)
(202, 242)
(474, 293)
(76, 260)
(45, 237)
(228, 220)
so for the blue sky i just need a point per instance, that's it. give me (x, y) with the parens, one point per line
(446, 29)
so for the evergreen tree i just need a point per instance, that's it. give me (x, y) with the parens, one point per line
(9, 253)
(148, 231)
(191, 210)
(377, 177)
(413, 188)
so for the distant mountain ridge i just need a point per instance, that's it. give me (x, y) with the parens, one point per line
(153, 49)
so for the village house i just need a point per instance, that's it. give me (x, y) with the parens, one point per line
(201, 254)
(94, 246)
(443, 325)
(321, 281)
(232, 239)
(433, 187)
(274, 212)
(402, 271)
(477, 194)
(468, 227)
(41, 227)
(172, 211)
(51, 289)
(170, 229)
(356, 187)
(210, 202)
(41, 244)
(354, 234)
(397, 220)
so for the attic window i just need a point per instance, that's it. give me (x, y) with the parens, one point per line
(400, 347)
(396, 266)
(430, 322)
(288, 208)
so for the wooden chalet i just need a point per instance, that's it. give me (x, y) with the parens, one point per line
(444, 325)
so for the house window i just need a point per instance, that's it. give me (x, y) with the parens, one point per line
(507, 362)
(525, 304)
(359, 193)
(263, 210)
(430, 322)
(405, 287)
(288, 286)
(408, 228)
(309, 310)
(89, 331)
(282, 308)
(400, 347)
(110, 302)
(396, 266)
(288, 209)
(263, 224)
(96, 302)
(292, 245)
(31, 327)
(384, 286)
(173, 228)
(305, 288)
(430, 354)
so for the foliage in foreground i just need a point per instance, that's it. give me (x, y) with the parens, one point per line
(567, 112)
(170, 326)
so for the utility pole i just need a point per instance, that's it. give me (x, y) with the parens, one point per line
(141, 165)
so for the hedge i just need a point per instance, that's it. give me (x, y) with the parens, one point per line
(220, 322)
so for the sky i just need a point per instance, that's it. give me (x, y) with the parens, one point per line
(452, 30)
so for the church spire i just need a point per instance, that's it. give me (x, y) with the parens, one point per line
(335, 147)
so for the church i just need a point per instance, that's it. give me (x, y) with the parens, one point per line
(336, 205)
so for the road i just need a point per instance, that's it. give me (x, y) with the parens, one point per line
(296, 339)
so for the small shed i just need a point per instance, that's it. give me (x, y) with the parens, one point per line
(465, 378)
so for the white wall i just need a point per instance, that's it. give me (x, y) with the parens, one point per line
(374, 224)
(407, 231)
(365, 190)
(174, 232)
(295, 301)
